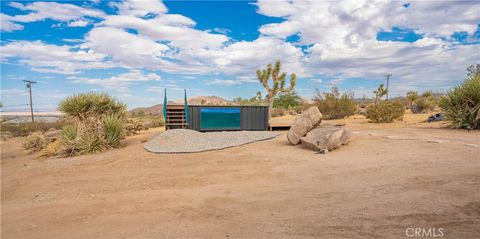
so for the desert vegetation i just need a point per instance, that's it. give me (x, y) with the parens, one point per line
(461, 105)
(334, 105)
(96, 122)
(278, 80)
(421, 103)
(384, 111)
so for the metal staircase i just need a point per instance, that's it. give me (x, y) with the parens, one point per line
(176, 116)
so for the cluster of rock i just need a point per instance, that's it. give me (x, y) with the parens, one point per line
(323, 138)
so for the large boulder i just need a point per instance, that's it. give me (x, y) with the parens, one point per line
(325, 138)
(308, 120)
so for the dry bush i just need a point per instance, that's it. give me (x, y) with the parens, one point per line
(382, 111)
(421, 103)
(334, 105)
(24, 129)
(34, 142)
(276, 112)
(52, 149)
(385, 111)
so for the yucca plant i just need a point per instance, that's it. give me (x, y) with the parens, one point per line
(113, 126)
(461, 105)
(90, 143)
(99, 120)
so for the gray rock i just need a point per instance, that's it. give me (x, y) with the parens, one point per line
(325, 138)
(308, 120)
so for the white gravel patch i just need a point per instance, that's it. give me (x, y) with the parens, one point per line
(191, 141)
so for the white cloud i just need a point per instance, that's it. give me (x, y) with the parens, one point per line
(38, 11)
(244, 58)
(119, 83)
(342, 36)
(316, 80)
(176, 29)
(140, 7)
(223, 82)
(7, 25)
(43, 57)
(78, 23)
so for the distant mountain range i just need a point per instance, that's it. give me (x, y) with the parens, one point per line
(198, 100)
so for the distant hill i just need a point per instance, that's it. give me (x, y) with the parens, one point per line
(209, 100)
(198, 100)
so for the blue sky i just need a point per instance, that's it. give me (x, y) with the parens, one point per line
(135, 49)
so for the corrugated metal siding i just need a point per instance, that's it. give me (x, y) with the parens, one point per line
(252, 117)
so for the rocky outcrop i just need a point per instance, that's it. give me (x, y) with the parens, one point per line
(325, 138)
(308, 120)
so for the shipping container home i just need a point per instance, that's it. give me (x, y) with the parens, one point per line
(214, 118)
(218, 118)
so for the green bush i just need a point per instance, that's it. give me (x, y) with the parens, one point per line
(461, 105)
(99, 123)
(385, 111)
(335, 105)
(34, 142)
(382, 111)
(287, 100)
(69, 132)
(87, 105)
(113, 129)
(90, 143)
(256, 100)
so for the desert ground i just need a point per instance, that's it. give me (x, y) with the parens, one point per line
(389, 178)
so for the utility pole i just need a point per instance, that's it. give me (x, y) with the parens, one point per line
(388, 78)
(29, 86)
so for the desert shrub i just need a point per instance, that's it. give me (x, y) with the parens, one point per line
(69, 132)
(276, 112)
(25, 129)
(421, 103)
(90, 143)
(34, 142)
(287, 100)
(154, 122)
(382, 111)
(52, 149)
(113, 128)
(334, 105)
(385, 111)
(99, 120)
(256, 100)
(93, 104)
(461, 105)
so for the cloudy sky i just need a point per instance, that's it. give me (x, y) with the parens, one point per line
(134, 49)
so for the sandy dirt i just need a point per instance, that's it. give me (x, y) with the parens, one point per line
(389, 178)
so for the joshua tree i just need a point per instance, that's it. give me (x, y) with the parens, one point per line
(278, 83)
(412, 96)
